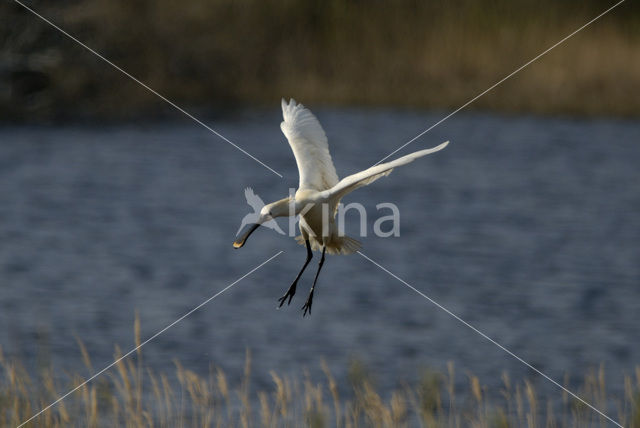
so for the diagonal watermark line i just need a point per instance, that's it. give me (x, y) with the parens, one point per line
(508, 76)
(490, 340)
(162, 97)
(151, 338)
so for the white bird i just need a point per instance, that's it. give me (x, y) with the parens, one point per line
(318, 186)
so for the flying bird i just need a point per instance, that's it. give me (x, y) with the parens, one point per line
(255, 202)
(319, 191)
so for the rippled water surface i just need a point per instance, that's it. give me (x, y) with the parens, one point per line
(528, 228)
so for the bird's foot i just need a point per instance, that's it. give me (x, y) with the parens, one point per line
(307, 305)
(289, 294)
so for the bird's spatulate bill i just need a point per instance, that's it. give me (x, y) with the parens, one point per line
(243, 238)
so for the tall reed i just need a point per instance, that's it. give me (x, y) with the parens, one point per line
(132, 395)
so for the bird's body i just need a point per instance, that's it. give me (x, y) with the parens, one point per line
(321, 235)
(319, 190)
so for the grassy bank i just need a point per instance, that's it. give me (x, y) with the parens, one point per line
(405, 53)
(132, 395)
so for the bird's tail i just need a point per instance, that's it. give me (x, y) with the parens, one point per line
(335, 245)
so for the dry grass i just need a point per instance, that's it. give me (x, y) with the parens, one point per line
(132, 395)
(405, 53)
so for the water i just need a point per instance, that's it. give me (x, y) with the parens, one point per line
(527, 228)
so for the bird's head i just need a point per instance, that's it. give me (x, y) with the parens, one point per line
(267, 213)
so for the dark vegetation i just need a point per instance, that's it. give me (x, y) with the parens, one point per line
(223, 53)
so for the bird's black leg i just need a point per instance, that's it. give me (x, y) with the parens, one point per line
(292, 289)
(307, 306)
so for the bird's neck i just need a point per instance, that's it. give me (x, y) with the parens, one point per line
(282, 208)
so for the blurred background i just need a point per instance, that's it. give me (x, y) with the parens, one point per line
(113, 205)
(408, 53)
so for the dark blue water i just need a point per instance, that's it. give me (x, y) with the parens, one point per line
(528, 228)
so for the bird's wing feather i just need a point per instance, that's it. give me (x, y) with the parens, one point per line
(368, 176)
(310, 147)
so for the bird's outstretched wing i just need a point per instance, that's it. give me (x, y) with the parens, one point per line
(253, 200)
(368, 176)
(309, 144)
